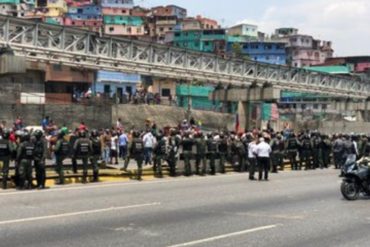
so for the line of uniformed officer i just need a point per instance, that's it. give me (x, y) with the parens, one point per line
(31, 151)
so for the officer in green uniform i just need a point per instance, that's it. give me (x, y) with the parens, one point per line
(25, 156)
(173, 143)
(96, 154)
(277, 147)
(317, 151)
(82, 150)
(223, 149)
(6, 149)
(212, 147)
(306, 152)
(61, 151)
(292, 149)
(187, 147)
(200, 157)
(160, 151)
(326, 150)
(240, 152)
(137, 153)
(40, 157)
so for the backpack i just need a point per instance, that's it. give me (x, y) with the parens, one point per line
(64, 148)
(138, 146)
(163, 148)
(306, 144)
(83, 148)
(292, 143)
(29, 150)
(240, 147)
(212, 146)
(96, 146)
(4, 148)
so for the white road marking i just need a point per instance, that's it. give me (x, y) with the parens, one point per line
(116, 184)
(48, 217)
(201, 241)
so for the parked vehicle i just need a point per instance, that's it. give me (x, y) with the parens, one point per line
(356, 180)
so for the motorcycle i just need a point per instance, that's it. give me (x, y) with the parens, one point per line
(356, 180)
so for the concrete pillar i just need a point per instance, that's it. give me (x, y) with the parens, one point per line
(244, 115)
(12, 64)
(366, 110)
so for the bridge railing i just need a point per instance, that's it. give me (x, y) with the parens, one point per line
(75, 47)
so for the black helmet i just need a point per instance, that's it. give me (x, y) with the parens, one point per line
(61, 134)
(26, 136)
(94, 133)
(82, 134)
(38, 134)
(136, 134)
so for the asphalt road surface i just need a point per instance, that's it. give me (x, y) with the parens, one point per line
(292, 209)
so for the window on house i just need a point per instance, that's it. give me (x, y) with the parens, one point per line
(166, 92)
(129, 30)
(267, 58)
(111, 29)
(79, 11)
(170, 28)
(138, 30)
(57, 67)
(123, 11)
(73, 23)
(161, 29)
(206, 43)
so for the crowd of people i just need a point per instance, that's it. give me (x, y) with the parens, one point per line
(260, 151)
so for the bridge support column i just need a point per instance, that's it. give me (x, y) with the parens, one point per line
(366, 110)
(244, 115)
(10, 63)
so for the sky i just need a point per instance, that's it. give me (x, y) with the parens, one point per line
(344, 22)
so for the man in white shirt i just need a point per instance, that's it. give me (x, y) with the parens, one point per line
(149, 141)
(252, 159)
(263, 152)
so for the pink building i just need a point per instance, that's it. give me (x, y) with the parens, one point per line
(78, 3)
(123, 30)
(303, 50)
(362, 67)
(116, 11)
(207, 23)
(90, 25)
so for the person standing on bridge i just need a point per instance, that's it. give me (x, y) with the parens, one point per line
(263, 151)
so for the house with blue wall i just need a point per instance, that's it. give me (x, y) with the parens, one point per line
(262, 51)
(116, 84)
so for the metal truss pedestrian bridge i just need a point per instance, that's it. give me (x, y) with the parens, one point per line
(54, 44)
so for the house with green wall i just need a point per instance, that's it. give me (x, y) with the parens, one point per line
(199, 40)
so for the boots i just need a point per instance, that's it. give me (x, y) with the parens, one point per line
(5, 182)
(84, 177)
(96, 176)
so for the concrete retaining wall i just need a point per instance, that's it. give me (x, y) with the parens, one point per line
(135, 115)
(345, 127)
(96, 116)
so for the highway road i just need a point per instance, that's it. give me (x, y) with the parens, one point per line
(303, 208)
